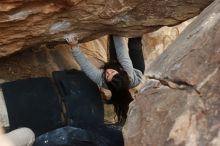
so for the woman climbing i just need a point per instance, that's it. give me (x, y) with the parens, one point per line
(123, 71)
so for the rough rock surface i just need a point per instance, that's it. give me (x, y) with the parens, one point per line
(40, 62)
(30, 23)
(156, 42)
(179, 104)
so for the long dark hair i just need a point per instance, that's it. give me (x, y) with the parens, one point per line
(119, 87)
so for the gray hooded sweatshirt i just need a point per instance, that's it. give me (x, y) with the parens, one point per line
(96, 74)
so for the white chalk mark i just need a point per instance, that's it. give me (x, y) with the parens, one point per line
(59, 26)
(20, 15)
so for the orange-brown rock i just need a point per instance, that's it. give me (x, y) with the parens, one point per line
(42, 61)
(30, 23)
(180, 102)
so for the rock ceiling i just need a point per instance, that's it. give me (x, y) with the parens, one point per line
(30, 23)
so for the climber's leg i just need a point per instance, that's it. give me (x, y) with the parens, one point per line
(136, 53)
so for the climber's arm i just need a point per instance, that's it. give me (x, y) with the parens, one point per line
(86, 66)
(123, 56)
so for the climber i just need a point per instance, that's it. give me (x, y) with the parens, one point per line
(124, 70)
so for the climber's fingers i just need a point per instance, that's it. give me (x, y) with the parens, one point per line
(72, 39)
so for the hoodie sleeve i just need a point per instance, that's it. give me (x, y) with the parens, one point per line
(123, 57)
(95, 74)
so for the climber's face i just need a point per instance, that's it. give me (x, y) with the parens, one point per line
(109, 74)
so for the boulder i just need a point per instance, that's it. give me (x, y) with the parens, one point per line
(31, 23)
(156, 42)
(179, 103)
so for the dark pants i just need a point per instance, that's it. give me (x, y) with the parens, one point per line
(135, 52)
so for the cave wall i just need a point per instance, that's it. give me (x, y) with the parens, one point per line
(42, 61)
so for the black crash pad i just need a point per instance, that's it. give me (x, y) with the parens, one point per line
(32, 103)
(68, 136)
(82, 98)
(72, 136)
